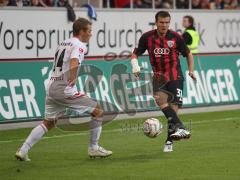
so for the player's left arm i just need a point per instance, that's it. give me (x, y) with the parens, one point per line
(184, 50)
(190, 62)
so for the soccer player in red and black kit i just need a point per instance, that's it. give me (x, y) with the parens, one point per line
(164, 46)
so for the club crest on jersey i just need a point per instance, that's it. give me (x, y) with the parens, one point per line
(81, 50)
(170, 43)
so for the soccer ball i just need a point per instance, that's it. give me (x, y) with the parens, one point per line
(152, 127)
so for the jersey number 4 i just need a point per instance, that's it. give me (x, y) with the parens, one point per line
(58, 61)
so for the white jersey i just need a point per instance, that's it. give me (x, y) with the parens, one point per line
(67, 50)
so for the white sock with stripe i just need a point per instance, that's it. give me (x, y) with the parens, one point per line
(95, 132)
(33, 137)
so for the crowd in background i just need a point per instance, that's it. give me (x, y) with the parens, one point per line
(181, 4)
(165, 4)
(215, 4)
(36, 3)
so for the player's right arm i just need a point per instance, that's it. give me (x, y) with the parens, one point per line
(76, 58)
(135, 66)
(142, 46)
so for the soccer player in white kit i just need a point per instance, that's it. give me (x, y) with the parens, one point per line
(62, 93)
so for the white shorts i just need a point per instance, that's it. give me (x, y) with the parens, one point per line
(56, 107)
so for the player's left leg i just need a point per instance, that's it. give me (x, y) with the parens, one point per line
(95, 127)
(82, 103)
(176, 89)
(95, 150)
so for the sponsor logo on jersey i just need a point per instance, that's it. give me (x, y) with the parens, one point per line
(161, 51)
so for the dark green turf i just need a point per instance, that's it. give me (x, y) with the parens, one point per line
(212, 153)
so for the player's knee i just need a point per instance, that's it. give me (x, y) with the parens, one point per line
(160, 102)
(49, 124)
(98, 112)
(164, 105)
(175, 107)
(157, 99)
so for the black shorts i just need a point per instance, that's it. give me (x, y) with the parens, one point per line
(174, 89)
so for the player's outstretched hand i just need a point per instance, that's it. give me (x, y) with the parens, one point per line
(192, 75)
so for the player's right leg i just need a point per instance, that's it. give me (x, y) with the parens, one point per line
(168, 146)
(52, 111)
(35, 135)
(161, 99)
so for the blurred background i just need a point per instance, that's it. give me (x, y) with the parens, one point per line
(166, 4)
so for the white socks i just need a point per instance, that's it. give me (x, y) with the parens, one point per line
(33, 137)
(40, 130)
(95, 132)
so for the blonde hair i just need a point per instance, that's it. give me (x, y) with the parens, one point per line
(80, 24)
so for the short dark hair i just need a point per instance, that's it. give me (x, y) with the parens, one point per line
(162, 14)
(80, 24)
(190, 19)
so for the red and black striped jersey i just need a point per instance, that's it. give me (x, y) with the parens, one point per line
(163, 53)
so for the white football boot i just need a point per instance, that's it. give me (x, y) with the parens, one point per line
(21, 156)
(99, 152)
(168, 147)
(181, 134)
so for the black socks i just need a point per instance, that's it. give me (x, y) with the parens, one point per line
(173, 121)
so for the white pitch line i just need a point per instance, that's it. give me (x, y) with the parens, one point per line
(216, 120)
(60, 136)
(118, 130)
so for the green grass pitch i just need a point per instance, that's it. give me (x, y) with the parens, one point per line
(213, 152)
